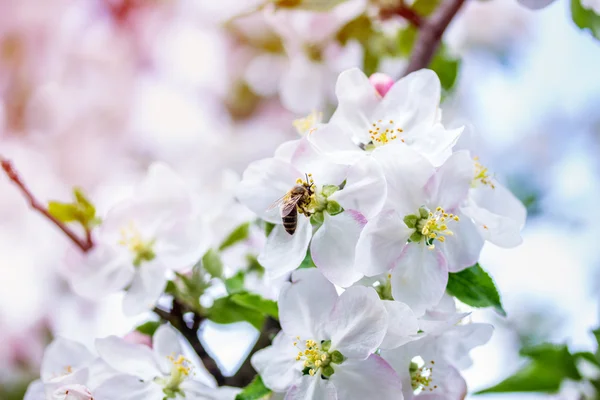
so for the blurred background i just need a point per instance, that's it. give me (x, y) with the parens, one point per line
(93, 91)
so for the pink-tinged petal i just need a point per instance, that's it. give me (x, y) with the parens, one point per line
(128, 358)
(412, 100)
(449, 187)
(306, 303)
(420, 277)
(277, 364)
(63, 356)
(147, 286)
(358, 323)
(263, 183)
(406, 173)
(372, 378)
(283, 252)
(456, 343)
(447, 384)
(332, 247)
(166, 343)
(264, 72)
(381, 243)
(73, 392)
(313, 388)
(357, 101)
(365, 189)
(381, 82)
(128, 387)
(462, 249)
(403, 326)
(100, 272)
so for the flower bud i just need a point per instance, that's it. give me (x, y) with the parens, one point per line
(381, 82)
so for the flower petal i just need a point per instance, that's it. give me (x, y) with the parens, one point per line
(306, 303)
(264, 182)
(372, 378)
(420, 278)
(462, 249)
(365, 189)
(402, 325)
(128, 387)
(358, 323)
(458, 342)
(381, 243)
(449, 187)
(302, 86)
(283, 252)
(129, 358)
(277, 364)
(62, 356)
(313, 388)
(147, 286)
(166, 343)
(332, 247)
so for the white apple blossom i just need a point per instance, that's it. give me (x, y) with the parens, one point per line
(342, 197)
(421, 234)
(162, 372)
(157, 230)
(429, 367)
(69, 371)
(409, 113)
(326, 347)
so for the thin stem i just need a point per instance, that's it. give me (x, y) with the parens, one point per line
(430, 34)
(404, 11)
(84, 244)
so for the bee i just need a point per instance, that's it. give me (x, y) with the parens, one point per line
(297, 199)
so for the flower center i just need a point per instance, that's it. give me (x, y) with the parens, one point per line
(317, 357)
(141, 249)
(421, 375)
(383, 132)
(482, 175)
(308, 124)
(430, 226)
(181, 368)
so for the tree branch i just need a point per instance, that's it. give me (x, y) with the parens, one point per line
(430, 34)
(84, 244)
(404, 11)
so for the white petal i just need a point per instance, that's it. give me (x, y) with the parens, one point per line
(63, 355)
(462, 249)
(402, 325)
(198, 390)
(146, 287)
(264, 182)
(286, 150)
(536, 4)
(357, 100)
(332, 247)
(332, 140)
(324, 171)
(128, 387)
(100, 272)
(164, 186)
(284, 252)
(435, 143)
(412, 100)
(302, 86)
(264, 73)
(129, 358)
(365, 189)
(380, 243)
(277, 363)
(305, 304)
(450, 386)
(183, 242)
(35, 391)
(458, 342)
(313, 388)
(372, 378)
(357, 323)
(407, 173)
(166, 343)
(72, 392)
(420, 278)
(449, 187)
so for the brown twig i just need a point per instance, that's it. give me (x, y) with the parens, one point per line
(404, 11)
(84, 244)
(430, 34)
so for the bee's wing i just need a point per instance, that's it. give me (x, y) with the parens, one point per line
(290, 204)
(278, 202)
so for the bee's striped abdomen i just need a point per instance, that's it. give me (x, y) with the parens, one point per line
(290, 221)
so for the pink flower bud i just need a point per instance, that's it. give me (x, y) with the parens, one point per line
(381, 82)
(138, 338)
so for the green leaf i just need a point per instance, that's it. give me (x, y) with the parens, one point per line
(255, 390)
(225, 311)
(148, 328)
(585, 19)
(257, 303)
(211, 262)
(81, 210)
(475, 287)
(405, 40)
(596, 333)
(425, 7)
(308, 261)
(588, 356)
(268, 228)
(240, 233)
(235, 284)
(446, 67)
(64, 212)
(550, 365)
